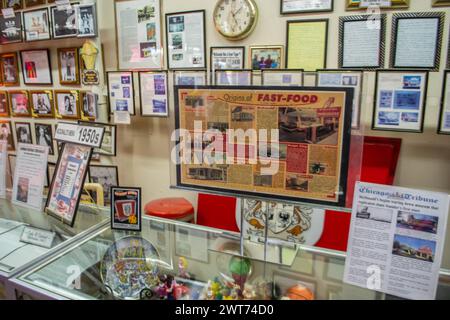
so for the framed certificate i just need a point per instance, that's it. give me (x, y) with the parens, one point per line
(138, 34)
(444, 115)
(416, 40)
(121, 91)
(308, 6)
(234, 77)
(385, 4)
(400, 100)
(190, 78)
(226, 58)
(282, 77)
(362, 42)
(307, 44)
(186, 40)
(154, 92)
(36, 67)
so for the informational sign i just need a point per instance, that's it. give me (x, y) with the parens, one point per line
(3, 160)
(396, 240)
(375, 3)
(38, 237)
(80, 134)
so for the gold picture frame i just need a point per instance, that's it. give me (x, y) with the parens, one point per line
(42, 107)
(440, 3)
(65, 107)
(71, 74)
(395, 4)
(24, 104)
(277, 64)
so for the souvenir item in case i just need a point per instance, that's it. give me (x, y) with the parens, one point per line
(126, 209)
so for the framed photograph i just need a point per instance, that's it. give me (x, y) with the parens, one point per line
(67, 185)
(64, 22)
(19, 103)
(138, 34)
(306, 44)
(108, 146)
(11, 29)
(89, 105)
(33, 3)
(266, 57)
(107, 176)
(425, 44)
(190, 78)
(68, 66)
(9, 65)
(444, 115)
(15, 4)
(36, 67)
(362, 41)
(4, 104)
(154, 90)
(233, 77)
(44, 136)
(282, 77)
(400, 100)
(227, 58)
(293, 287)
(6, 134)
(347, 79)
(301, 6)
(67, 104)
(42, 104)
(126, 209)
(36, 25)
(186, 40)
(363, 5)
(87, 20)
(23, 132)
(121, 91)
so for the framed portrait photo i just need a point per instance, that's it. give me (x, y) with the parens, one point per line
(64, 22)
(44, 137)
(4, 104)
(67, 104)
(87, 20)
(282, 77)
(36, 67)
(6, 134)
(227, 58)
(108, 147)
(121, 91)
(154, 91)
(107, 177)
(400, 100)
(89, 105)
(242, 77)
(14, 4)
(363, 5)
(33, 3)
(42, 103)
(301, 6)
(69, 66)
(19, 103)
(36, 25)
(23, 132)
(11, 29)
(9, 66)
(266, 57)
(444, 115)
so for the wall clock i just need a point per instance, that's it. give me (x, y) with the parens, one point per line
(235, 19)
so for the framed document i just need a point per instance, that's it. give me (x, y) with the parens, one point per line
(138, 34)
(444, 115)
(11, 29)
(121, 91)
(384, 4)
(305, 6)
(266, 57)
(154, 92)
(36, 67)
(307, 44)
(400, 99)
(68, 66)
(67, 104)
(362, 41)
(234, 77)
(226, 58)
(42, 103)
(282, 77)
(36, 24)
(190, 78)
(347, 79)
(4, 104)
(9, 66)
(186, 40)
(416, 40)
(20, 104)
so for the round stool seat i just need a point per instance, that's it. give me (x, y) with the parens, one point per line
(171, 208)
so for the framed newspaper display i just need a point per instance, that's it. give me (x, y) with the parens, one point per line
(285, 143)
(138, 33)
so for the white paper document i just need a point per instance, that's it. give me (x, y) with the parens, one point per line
(396, 240)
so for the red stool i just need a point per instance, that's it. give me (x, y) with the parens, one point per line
(171, 208)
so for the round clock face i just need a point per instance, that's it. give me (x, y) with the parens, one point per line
(235, 19)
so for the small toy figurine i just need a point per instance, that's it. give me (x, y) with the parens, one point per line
(249, 292)
(182, 268)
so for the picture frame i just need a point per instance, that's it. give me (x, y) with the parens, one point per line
(121, 91)
(42, 104)
(6, 134)
(399, 105)
(226, 58)
(36, 31)
(11, 29)
(148, 33)
(67, 104)
(69, 66)
(4, 104)
(243, 77)
(444, 113)
(282, 77)
(23, 132)
(107, 176)
(19, 102)
(190, 78)
(9, 67)
(299, 6)
(395, 4)
(33, 3)
(14, 4)
(89, 105)
(154, 97)
(64, 22)
(403, 25)
(36, 67)
(180, 55)
(265, 57)
(126, 209)
(44, 136)
(87, 20)
(109, 143)
(440, 3)
(358, 49)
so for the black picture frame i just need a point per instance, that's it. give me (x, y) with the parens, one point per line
(443, 101)
(417, 15)
(448, 52)
(423, 107)
(26, 29)
(52, 150)
(116, 172)
(114, 135)
(176, 72)
(266, 71)
(47, 52)
(382, 44)
(211, 49)
(95, 26)
(233, 71)
(53, 23)
(167, 94)
(16, 128)
(305, 11)
(138, 207)
(19, 25)
(204, 64)
(133, 96)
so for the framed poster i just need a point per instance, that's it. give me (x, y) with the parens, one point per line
(4, 104)
(234, 77)
(389, 4)
(108, 146)
(6, 134)
(282, 77)
(44, 136)
(67, 104)
(154, 92)
(126, 209)
(138, 34)
(67, 185)
(68, 66)
(314, 127)
(19, 102)
(444, 115)
(15, 4)
(306, 46)
(89, 105)
(36, 25)
(121, 91)
(308, 6)
(11, 29)
(190, 78)
(400, 100)
(362, 41)
(23, 132)
(228, 58)
(64, 22)
(266, 57)
(186, 40)
(42, 104)
(420, 33)
(107, 176)
(9, 65)
(36, 67)
(348, 79)
(87, 20)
